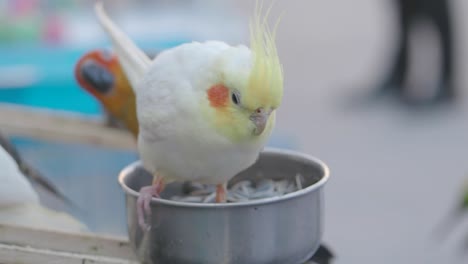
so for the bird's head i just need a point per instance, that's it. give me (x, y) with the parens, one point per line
(99, 72)
(249, 86)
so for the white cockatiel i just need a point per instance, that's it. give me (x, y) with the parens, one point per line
(205, 110)
(19, 203)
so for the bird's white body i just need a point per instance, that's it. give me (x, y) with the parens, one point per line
(19, 203)
(183, 135)
(176, 140)
(205, 110)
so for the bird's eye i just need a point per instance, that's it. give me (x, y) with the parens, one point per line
(235, 98)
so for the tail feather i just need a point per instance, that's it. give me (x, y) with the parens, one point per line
(134, 61)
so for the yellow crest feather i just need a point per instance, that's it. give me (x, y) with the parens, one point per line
(266, 77)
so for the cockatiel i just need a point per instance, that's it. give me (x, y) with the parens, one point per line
(100, 73)
(19, 203)
(205, 110)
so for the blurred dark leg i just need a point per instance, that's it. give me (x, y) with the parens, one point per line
(438, 14)
(406, 12)
(442, 21)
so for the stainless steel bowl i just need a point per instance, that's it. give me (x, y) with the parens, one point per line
(283, 230)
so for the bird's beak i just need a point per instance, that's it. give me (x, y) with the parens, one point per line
(260, 119)
(100, 78)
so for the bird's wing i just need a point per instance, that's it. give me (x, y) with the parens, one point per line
(14, 187)
(31, 173)
(19, 203)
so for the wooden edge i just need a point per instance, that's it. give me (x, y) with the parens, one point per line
(12, 254)
(62, 126)
(79, 243)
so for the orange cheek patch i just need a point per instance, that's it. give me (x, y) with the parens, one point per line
(218, 95)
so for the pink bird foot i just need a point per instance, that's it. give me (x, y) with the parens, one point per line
(143, 202)
(221, 193)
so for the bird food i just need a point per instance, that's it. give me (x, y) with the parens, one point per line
(241, 191)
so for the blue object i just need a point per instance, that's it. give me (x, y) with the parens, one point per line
(56, 87)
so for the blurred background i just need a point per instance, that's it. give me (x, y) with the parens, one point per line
(371, 89)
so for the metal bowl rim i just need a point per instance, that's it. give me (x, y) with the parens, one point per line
(270, 150)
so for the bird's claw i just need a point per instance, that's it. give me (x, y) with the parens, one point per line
(221, 193)
(143, 205)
